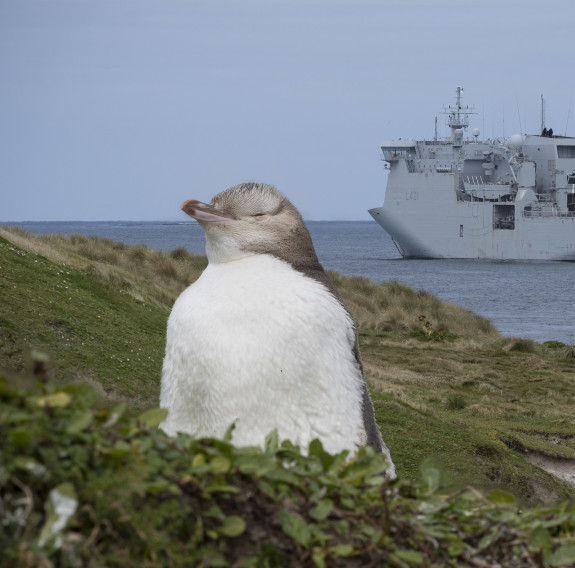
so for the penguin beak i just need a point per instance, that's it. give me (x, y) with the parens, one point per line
(206, 213)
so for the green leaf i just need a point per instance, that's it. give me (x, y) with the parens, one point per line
(431, 475)
(20, 437)
(120, 449)
(489, 539)
(322, 510)
(232, 526)
(214, 559)
(228, 433)
(285, 476)
(220, 464)
(56, 400)
(115, 414)
(316, 448)
(83, 394)
(29, 464)
(60, 506)
(153, 417)
(256, 464)
(198, 459)
(162, 486)
(272, 443)
(540, 539)
(498, 497)
(318, 558)
(294, 527)
(327, 460)
(455, 548)
(39, 356)
(410, 556)
(341, 550)
(557, 520)
(15, 416)
(79, 421)
(563, 556)
(215, 488)
(357, 471)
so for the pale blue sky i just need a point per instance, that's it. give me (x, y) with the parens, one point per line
(122, 109)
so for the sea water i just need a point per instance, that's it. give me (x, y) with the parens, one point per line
(532, 300)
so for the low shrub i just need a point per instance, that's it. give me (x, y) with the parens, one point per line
(455, 401)
(523, 346)
(86, 487)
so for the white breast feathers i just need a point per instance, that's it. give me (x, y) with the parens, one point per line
(257, 343)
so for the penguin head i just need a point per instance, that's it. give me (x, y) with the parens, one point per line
(253, 218)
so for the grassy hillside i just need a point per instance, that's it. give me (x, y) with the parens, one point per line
(445, 384)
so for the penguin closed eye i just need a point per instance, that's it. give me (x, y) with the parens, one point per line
(262, 338)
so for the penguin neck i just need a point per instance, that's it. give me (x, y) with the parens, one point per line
(222, 248)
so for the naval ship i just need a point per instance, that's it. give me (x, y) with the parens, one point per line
(462, 197)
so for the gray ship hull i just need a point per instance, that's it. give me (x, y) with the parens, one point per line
(421, 236)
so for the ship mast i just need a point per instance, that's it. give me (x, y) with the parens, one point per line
(458, 117)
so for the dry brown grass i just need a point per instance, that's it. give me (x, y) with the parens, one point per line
(144, 273)
(397, 307)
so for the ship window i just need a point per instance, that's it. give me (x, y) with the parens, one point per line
(460, 230)
(566, 151)
(397, 153)
(504, 217)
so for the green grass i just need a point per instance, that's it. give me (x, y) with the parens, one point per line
(445, 384)
(465, 405)
(396, 307)
(93, 329)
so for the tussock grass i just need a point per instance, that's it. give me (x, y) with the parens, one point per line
(145, 273)
(567, 352)
(523, 346)
(396, 307)
(455, 402)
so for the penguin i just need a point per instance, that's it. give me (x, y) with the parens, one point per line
(262, 339)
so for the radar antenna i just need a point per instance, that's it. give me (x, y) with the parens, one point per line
(458, 116)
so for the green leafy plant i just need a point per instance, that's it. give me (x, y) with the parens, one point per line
(91, 487)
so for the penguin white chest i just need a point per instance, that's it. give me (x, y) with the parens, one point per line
(257, 343)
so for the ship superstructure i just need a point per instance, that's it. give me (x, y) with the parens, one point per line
(493, 199)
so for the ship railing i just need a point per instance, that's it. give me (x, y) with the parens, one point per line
(521, 157)
(545, 197)
(441, 142)
(548, 213)
(474, 180)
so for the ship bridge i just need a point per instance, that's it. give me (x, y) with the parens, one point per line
(398, 149)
